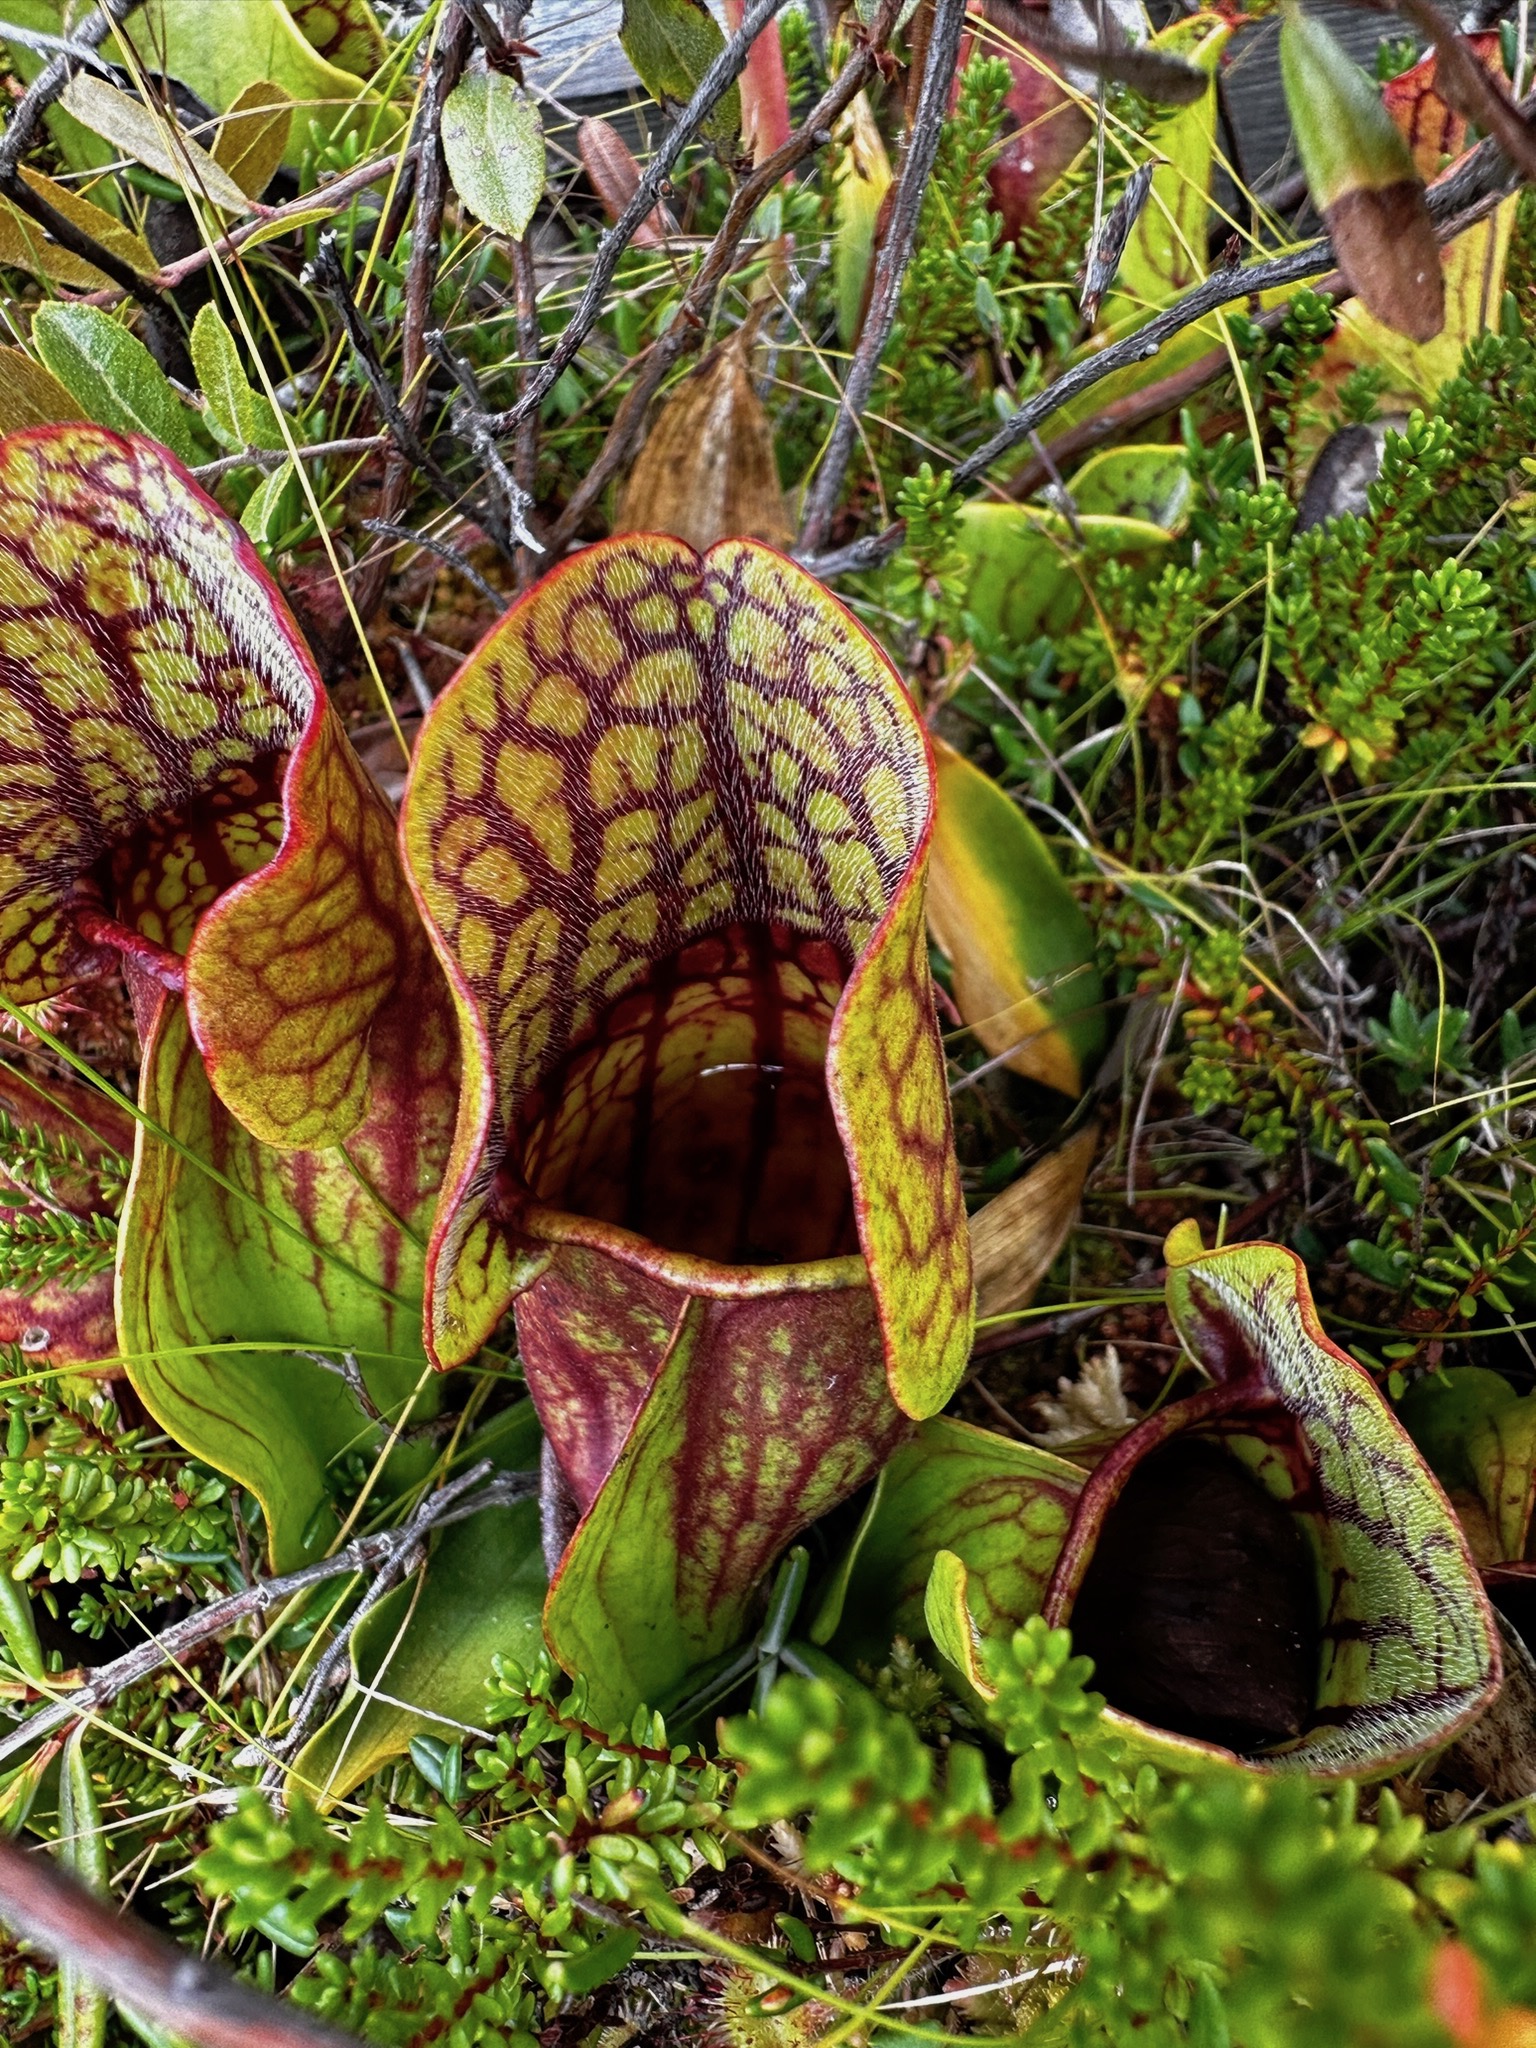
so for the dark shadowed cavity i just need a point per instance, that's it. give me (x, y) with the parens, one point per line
(1200, 1607)
(695, 1112)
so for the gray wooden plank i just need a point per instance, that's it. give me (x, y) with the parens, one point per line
(579, 58)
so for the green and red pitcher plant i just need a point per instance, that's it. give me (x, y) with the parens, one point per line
(628, 1030)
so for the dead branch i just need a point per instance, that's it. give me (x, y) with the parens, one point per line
(51, 81)
(1456, 202)
(712, 87)
(688, 323)
(161, 1982)
(525, 438)
(407, 1550)
(443, 70)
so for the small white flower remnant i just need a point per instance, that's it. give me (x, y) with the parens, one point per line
(1087, 1409)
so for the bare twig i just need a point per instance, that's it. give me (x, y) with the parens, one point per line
(335, 194)
(525, 438)
(890, 268)
(178, 1641)
(326, 272)
(688, 323)
(431, 194)
(712, 87)
(406, 1549)
(274, 458)
(152, 1976)
(421, 273)
(1125, 414)
(51, 81)
(1456, 202)
(408, 536)
(472, 423)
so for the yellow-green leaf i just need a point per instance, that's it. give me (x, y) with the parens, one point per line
(1032, 569)
(30, 394)
(1480, 1437)
(254, 134)
(860, 182)
(672, 43)
(19, 1630)
(1021, 949)
(25, 244)
(152, 139)
(493, 141)
(1165, 251)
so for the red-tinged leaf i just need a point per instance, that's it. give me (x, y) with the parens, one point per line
(610, 165)
(1434, 130)
(1458, 2000)
(1047, 123)
(1021, 950)
(668, 830)
(1456, 1992)
(764, 89)
(160, 708)
(86, 1144)
(762, 1416)
(234, 1257)
(1005, 1506)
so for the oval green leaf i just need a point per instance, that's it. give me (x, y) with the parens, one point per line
(493, 140)
(1025, 978)
(111, 375)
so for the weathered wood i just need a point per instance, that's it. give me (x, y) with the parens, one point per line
(579, 58)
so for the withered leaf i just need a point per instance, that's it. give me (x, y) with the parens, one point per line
(707, 470)
(1016, 1236)
(610, 164)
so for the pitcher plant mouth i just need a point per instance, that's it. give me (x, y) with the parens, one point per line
(180, 789)
(179, 796)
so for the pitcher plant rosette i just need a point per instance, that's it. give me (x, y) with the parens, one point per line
(651, 1060)
(668, 830)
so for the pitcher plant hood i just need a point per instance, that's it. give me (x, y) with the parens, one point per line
(178, 787)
